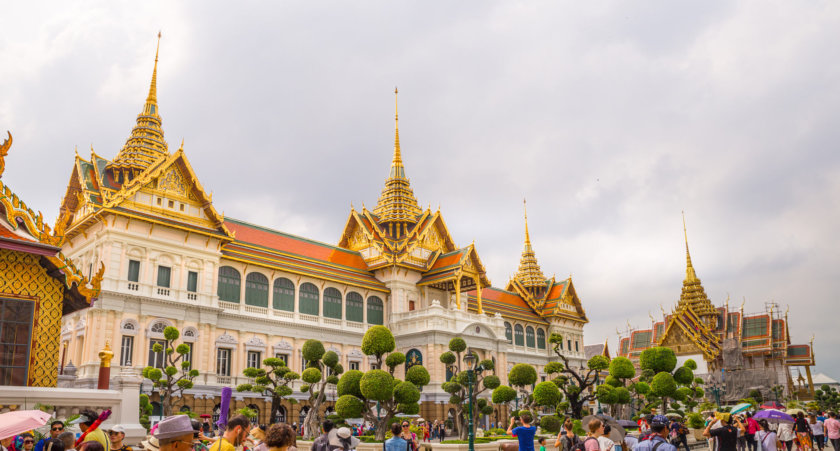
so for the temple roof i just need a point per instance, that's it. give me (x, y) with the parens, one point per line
(397, 202)
(693, 293)
(529, 274)
(508, 304)
(145, 144)
(274, 249)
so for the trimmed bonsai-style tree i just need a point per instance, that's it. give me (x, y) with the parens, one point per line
(573, 383)
(376, 395)
(322, 369)
(177, 374)
(658, 366)
(458, 385)
(273, 381)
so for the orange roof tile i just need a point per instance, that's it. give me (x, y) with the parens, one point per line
(288, 243)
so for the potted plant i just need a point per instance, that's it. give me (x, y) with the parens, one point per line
(695, 423)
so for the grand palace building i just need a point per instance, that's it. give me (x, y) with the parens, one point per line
(241, 292)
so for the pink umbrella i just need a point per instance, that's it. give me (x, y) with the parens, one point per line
(13, 423)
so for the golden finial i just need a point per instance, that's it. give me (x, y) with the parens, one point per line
(397, 154)
(153, 87)
(182, 145)
(4, 150)
(105, 355)
(742, 305)
(690, 275)
(525, 208)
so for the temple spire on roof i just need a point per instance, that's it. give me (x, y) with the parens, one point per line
(397, 203)
(693, 294)
(145, 144)
(529, 274)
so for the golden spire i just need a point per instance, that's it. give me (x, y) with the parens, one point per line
(145, 144)
(397, 202)
(693, 294)
(529, 274)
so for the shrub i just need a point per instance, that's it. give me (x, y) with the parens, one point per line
(378, 340)
(349, 406)
(659, 359)
(663, 385)
(502, 394)
(349, 384)
(417, 375)
(457, 344)
(313, 350)
(522, 374)
(550, 423)
(377, 385)
(547, 394)
(683, 376)
(622, 368)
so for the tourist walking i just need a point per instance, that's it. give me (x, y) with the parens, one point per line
(596, 429)
(322, 443)
(832, 430)
(727, 434)
(396, 442)
(525, 433)
(658, 440)
(116, 434)
(803, 432)
(280, 437)
(344, 440)
(604, 441)
(678, 434)
(766, 437)
(175, 433)
(752, 429)
(818, 430)
(786, 435)
(409, 436)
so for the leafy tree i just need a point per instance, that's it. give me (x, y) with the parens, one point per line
(322, 369)
(146, 409)
(756, 395)
(377, 395)
(176, 375)
(574, 383)
(272, 381)
(614, 391)
(827, 398)
(658, 366)
(458, 385)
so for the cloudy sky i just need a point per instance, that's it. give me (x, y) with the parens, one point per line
(610, 117)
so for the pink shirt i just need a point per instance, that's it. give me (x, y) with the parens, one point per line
(832, 428)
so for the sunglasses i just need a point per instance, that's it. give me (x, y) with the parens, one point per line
(28, 441)
(58, 429)
(405, 425)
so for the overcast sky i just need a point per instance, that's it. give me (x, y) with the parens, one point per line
(610, 117)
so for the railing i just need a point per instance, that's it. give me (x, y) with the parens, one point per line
(192, 296)
(224, 380)
(283, 314)
(163, 291)
(133, 286)
(257, 310)
(332, 321)
(312, 318)
(228, 305)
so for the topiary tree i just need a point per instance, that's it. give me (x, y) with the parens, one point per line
(827, 398)
(177, 374)
(658, 364)
(573, 383)
(621, 370)
(322, 369)
(457, 385)
(146, 409)
(376, 395)
(272, 381)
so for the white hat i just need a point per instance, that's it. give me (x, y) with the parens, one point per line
(116, 428)
(151, 444)
(344, 432)
(81, 419)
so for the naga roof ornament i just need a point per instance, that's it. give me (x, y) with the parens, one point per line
(145, 144)
(397, 202)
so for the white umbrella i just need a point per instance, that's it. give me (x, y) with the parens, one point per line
(13, 423)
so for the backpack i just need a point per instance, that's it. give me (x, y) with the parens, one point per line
(581, 445)
(322, 443)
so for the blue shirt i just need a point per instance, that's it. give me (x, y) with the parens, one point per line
(397, 444)
(647, 445)
(526, 437)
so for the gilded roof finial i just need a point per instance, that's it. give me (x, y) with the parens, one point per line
(525, 208)
(529, 274)
(397, 155)
(4, 150)
(153, 87)
(690, 275)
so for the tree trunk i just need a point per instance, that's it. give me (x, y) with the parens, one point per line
(275, 406)
(166, 403)
(382, 426)
(312, 424)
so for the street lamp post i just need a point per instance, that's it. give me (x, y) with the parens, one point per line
(473, 369)
(598, 381)
(717, 389)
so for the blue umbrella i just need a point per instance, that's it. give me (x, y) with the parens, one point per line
(740, 408)
(773, 416)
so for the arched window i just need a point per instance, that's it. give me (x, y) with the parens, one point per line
(332, 303)
(302, 418)
(229, 282)
(519, 334)
(508, 332)
(309, 299)
(284, 295)
(529, 337)
(256, 418)
(280, 415)
(540, 339)
(355, 308)
(158, 327)
(256, 290)
(374, 310)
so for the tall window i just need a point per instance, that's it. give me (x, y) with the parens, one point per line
(126, 350)
(529, 337)
(256, 290)
(253, 359)
(223, 362)
(156, 358)
(192, 281)
(188, 355)
(283, 357)
(540, 339)
(577, 349)
(309, 298)
(508, 332)
(133, 271)
(15, 337)
(355, 307)
(354, 365)
(284, 295)
(519, 335)
(569, 343)
(164, 276)
(332, 303)
(375, 309)
(229, 283)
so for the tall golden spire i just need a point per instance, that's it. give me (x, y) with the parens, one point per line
(397, 203)
(529, 274)
(145, 144)
(693, 294)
